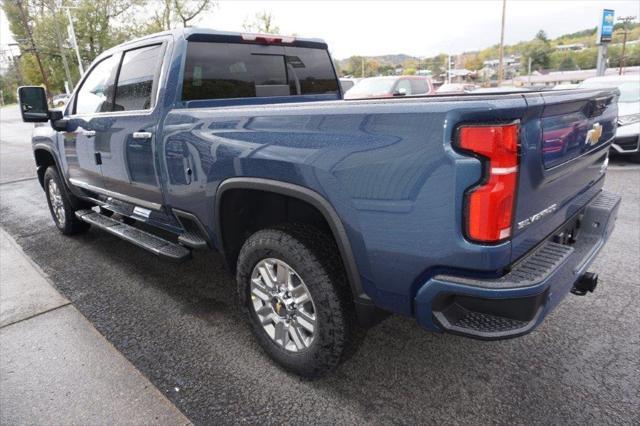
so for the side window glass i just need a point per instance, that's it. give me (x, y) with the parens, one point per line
(419, 86)
(404, 86)
(97, 90)
(135, 87)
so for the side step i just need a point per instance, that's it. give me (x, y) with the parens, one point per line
(154, 244)
(193, 239)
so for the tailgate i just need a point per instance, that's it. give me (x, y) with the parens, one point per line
(565, 140)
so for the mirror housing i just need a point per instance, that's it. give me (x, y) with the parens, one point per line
(58, 122)
(33, 104)
(400, 92)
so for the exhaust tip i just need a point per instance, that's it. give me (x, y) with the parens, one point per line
(587, 283)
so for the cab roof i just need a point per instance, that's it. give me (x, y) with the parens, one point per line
(209, 34)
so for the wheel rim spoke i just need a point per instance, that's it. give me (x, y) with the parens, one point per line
(282, 274)
(300, 295)
(282, 333)
(296, 337)
(259, 290)
(265, 314)
(306, 320)
(267, 279)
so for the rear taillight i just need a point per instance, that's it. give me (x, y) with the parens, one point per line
(489, 206)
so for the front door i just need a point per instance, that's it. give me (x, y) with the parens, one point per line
(127, 148)
(88, 116)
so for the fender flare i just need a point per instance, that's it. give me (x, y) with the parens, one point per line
(47, 148)
(314, 199)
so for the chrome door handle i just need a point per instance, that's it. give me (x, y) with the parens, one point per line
(89, 133)
(142, 135)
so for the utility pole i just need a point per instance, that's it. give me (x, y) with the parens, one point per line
(529, 70)
(501, 63)
(625, 21)
(59, 37)
(23, 15)
(74, 41)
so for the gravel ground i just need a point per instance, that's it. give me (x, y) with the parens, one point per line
(179, 325)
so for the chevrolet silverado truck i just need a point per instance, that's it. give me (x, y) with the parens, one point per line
(474, 214)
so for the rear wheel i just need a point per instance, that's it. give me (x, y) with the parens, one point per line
(292, 287)
(60, 205)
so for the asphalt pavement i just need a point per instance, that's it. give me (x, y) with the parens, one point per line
(180, 326)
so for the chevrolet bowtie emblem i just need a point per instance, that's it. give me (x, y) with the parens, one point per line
(593, 135)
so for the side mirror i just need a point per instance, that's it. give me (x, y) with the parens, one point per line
(400, 92)
(33, 104)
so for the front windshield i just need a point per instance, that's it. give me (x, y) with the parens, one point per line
(629, 90)
(372, 86)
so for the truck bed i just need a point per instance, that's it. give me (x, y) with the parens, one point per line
(391, 171)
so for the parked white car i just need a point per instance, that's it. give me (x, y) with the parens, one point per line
(627, 139)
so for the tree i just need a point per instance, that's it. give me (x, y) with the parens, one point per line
(567, 64)
(99, 25)
(587, 58)
(473, 62)
(9, 82)
(539, 50)
(263, 22)
(542, 36)
(176, 13)
(354, 66)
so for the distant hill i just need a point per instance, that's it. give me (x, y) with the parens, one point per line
(397, 59)
(473, 60)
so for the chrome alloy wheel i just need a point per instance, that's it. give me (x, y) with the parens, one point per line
(283, 304)
(57, 205)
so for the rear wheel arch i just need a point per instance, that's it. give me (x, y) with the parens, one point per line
(229, 244)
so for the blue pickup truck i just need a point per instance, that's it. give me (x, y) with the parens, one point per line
(474, 214)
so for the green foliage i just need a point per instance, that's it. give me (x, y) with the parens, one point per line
(98, 24)
(262, 23)
(9, 86)
(567, 64)
(539, 50)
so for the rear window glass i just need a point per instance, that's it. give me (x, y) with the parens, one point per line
(419, 86)
(219, 71)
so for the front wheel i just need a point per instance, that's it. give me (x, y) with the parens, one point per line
(60, 205)
(292, 287)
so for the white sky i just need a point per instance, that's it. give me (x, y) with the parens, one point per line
(412, 27)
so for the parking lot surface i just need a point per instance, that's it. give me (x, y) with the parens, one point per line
(180, 326)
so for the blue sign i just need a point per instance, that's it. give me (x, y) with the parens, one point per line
(606, 26)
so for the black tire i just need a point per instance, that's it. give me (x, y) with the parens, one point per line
(313, 256)
(69, 224)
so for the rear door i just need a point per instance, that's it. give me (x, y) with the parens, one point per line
(129, 167)
(565, 139)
